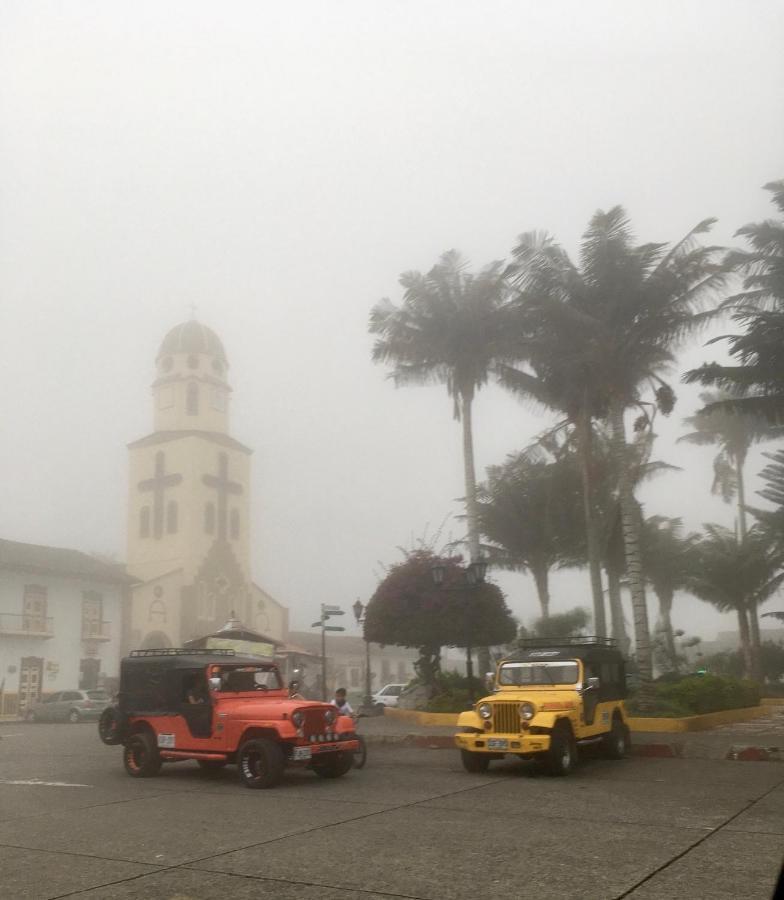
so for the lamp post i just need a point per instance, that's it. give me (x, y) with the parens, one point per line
(360, 611)
(326, 612)
(474, 577)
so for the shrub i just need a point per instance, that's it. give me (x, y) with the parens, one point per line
(709, 693)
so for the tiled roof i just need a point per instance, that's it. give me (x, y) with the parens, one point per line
(59, 561)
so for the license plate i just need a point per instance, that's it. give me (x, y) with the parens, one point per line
(301, 753)
(497, 744)
(166, 741)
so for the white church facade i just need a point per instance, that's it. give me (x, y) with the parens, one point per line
(189, 506)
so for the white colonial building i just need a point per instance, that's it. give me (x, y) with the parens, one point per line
(61, 620)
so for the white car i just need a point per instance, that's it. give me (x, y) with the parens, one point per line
(388, 695)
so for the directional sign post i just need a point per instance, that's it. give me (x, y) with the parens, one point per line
(326, 612)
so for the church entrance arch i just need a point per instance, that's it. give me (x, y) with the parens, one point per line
(156, 640)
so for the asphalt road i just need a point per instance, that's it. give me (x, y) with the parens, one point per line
(411, 824)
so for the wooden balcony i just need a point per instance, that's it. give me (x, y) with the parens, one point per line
(25, 625)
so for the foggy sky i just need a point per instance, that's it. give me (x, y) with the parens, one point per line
(279, 165)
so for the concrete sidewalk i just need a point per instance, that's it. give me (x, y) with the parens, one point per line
(758, 740)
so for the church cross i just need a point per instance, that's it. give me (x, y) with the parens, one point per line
(158, 484)
(224, 487)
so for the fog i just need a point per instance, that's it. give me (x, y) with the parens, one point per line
(278, 166)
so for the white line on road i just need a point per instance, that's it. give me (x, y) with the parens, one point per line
(15, 734)
(38, 783)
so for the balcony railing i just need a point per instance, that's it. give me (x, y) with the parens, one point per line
(26, 624)
(96, 631)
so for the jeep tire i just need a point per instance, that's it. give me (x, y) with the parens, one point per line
(561, 758)
(260, 762)
(110, 726)
(140, 755)
(475, 762)
(615, 744)
(335, 764)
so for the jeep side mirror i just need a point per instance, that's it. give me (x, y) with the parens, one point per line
(215, 683)
(592, 684)
(490, 680)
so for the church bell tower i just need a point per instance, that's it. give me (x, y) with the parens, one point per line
(189, 498)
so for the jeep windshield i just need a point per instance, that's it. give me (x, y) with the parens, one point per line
(517, 674)
(249, 679)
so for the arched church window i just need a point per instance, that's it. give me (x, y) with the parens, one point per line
(234, 524)
(209, 518)
(192, 399)
(158, 612)
(144, 522)
(171, 517)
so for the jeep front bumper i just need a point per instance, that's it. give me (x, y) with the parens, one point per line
(502, 743)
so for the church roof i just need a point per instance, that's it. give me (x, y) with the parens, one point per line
(59, 561)
(162, 437)
(193, 337)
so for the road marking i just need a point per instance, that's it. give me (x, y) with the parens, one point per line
(15, 734)
(38, 783)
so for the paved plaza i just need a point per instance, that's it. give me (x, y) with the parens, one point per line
(412, 824)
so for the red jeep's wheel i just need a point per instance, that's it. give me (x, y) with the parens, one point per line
(334, 764)
(140, 756)
(261, 763)
(109, 729)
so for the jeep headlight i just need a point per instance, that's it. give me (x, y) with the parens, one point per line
(527, 711)
(485, 710)
(297, 718)
(330, 715)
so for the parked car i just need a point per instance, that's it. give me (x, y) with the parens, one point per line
(388, 695)
(550, 697)
(219, 709)
(70, 706)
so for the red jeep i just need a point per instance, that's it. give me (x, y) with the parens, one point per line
(219, 708)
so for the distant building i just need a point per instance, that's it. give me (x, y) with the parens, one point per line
(730, 640)
(189, 508)
(61, 619)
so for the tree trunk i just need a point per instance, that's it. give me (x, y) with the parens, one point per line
(631, 543)
(543, 590)
(665, 610)
(754, 632)
(616, 609)
(745, 641)
(472, 512)
(585, 452)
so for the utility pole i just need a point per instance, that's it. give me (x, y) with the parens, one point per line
(326, 612)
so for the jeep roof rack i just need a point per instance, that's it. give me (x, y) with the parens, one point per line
(181, 651)
(585, 640)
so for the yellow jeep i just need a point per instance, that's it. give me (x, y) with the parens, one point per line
(549, 697)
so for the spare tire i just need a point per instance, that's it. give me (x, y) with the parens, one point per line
(110, 726)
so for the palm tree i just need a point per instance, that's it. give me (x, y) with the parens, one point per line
(732, 574)
(609, 330)
(756, 385)
(450, 329)
(666, 556)
(527, 512)
(734, 432)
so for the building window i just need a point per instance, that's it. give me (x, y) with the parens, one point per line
(192, 399)
(171, 517)
(157, 612)
(219, 401)
(234, 526)
(209, 518)
(34, 605)
(144, 522)
(92, 614)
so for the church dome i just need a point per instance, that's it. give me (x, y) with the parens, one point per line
(193, 337)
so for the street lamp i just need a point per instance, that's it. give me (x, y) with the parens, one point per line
(360, 611)
(474, 576)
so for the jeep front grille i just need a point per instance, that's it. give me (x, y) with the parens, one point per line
(506, 718)
(314, 721)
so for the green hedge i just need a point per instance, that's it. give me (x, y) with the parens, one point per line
(698, 694)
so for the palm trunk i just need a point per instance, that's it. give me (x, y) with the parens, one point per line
(665, 610)
(585, 452)
(472, 512)
(543, 590)
(631, 542)
(616, 609)
(754, 632)
(745, 641)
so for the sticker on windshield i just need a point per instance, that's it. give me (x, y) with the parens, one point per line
(166, 741)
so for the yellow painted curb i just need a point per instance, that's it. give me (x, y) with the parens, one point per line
(772, 701)
(697, 723)
(417, 717)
